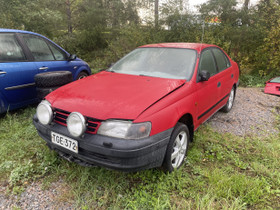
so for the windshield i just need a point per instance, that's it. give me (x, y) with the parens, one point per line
(275, 80)
(170, 63)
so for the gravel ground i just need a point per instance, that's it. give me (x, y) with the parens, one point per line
(34, 197)
(252, 113)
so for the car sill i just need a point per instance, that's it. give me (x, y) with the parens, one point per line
(212, 107)
(20, 86)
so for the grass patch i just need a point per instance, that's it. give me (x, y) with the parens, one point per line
(222, 171)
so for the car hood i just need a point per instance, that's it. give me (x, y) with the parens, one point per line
(109, 95)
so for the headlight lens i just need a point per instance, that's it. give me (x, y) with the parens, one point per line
(125, 129)
(44, 112)
(76, 124)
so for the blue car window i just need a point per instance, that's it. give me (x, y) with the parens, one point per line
(10, 50)
(39, 48)
(60, 56)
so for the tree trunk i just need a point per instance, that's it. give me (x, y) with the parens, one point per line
(156, 13)
(69, 16)
(246, 4)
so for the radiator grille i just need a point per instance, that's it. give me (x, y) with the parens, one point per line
(92, 124)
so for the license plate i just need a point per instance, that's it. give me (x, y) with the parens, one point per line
(64, 142)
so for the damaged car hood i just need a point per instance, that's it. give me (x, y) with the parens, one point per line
(110, 95)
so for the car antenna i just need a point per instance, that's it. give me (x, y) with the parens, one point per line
(203, 27)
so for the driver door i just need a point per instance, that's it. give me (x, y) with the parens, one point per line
(206, 91)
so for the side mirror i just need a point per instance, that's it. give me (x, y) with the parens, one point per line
(204, 75)
(72, 57)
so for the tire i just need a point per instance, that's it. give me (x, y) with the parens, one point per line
(53, 79)
(177, 148)
(230, 101)
(82, 75)
(43, 92)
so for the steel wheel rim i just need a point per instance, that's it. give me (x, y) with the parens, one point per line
(230, 99)
(81, 77)
(179, 149)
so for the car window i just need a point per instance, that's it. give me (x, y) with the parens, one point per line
(207, 62)
(221, 59)
(160, 62)
(39, 48)
(275, 80)
(10, 50)
(58, 54)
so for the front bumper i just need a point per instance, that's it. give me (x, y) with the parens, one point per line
(114, 153)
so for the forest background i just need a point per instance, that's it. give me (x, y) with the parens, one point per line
(102, 31)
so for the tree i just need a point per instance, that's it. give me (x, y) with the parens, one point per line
(224, 9)
(268, 55)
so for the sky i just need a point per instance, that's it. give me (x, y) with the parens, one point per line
(193, 3)
(191, 6)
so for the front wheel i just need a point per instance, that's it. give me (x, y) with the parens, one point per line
(230, 101)
(82, 75)
(177, 148)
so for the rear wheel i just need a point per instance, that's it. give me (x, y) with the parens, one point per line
(177, 148)
(230, 101)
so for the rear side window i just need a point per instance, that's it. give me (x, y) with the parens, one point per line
(207, 62)
(10, 50)
(222, 60)
(39, 48)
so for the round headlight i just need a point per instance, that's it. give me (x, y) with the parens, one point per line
(76, 124)
(44, 112)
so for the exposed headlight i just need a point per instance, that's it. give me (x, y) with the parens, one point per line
(44, 112)
(125, 129)
(76, 124)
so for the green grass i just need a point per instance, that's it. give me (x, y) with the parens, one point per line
(222, 171)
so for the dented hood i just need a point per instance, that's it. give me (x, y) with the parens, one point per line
(109, 95)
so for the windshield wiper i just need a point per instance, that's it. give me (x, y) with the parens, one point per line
(111, 71)
(144, 75)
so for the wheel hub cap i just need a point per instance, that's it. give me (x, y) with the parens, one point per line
(179, 149)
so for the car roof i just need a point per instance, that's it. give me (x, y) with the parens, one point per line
(3, 30)
(196, 46)
(17, 31)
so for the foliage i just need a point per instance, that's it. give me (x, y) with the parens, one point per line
(102, 31)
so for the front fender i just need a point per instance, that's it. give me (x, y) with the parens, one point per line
(167, 112)
(80, 69)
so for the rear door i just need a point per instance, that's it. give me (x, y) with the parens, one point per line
(47, 56)
(16, 71)
(225, 74)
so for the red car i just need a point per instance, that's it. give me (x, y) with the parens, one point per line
(142, 112)
(273, 86)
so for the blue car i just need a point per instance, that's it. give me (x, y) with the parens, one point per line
(24, 54)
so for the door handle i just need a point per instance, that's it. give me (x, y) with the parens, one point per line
(3, 72)
(219, 84)
(43, 68)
